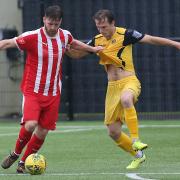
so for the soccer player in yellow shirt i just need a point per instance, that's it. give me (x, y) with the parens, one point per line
(123, 86)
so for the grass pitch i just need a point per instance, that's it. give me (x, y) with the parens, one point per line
(83, 151)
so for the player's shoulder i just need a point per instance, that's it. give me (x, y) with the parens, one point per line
(29, 33)
(121, 30)
(98, 36)
(64, 31)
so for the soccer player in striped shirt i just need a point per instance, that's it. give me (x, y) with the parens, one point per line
(41, 83)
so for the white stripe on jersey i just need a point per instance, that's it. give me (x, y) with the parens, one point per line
(50, 64)
(40, 63)
(58, 64)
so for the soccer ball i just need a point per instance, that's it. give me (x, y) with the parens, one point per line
(35, 164)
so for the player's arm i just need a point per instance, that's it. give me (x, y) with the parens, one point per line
(154, 40)
(7, 43)
(78, 45)
(132, 36)
(76, 54)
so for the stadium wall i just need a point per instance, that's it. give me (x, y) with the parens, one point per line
(157, 67)
(10, 97)
(84, 82)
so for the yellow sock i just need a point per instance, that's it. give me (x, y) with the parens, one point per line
(131, 122)
(125, 143)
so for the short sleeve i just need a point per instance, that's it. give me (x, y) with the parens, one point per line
(132, 37)
(24, 41)
(70, 38)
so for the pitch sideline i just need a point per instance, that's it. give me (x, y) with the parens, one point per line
(134, 176)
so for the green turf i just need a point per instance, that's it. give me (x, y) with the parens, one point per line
(83, 151)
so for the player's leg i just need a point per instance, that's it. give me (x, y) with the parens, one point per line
(130, 113)
(33, 146)
(121, 139)
(129, 95)
(30, 111)
(113, 114)
(124, 142)
(25, 134)
(47, 121)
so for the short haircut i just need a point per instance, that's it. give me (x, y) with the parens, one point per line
(102, 14)
(54, 12)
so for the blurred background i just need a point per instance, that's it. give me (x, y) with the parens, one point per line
(84, 81)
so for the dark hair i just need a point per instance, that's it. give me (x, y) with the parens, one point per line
(54, 12)
(102, 14)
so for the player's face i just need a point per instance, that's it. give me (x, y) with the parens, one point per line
(51, 26)
(105, 28)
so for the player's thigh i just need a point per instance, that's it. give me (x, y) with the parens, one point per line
(30, 108)
(131, 88)
(49, 115)
(113, 108)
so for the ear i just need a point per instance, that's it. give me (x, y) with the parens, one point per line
(113, 22)
(44, 19)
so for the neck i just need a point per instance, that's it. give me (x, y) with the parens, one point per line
(112, 33)
(48, 34)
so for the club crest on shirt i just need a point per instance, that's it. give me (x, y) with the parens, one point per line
(21, 40)
(113, 41)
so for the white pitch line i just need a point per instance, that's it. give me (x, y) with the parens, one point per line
(135, 176)
(52, 132)
(71, 130)
(8, 134)
(130, 175)
(160, 126)
(103, 126)
(90, 128)
(59, 126)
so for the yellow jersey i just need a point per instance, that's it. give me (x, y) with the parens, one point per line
(117, 50)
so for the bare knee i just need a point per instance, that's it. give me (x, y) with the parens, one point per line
(31, 125)
(127, 100)
(114, 130)
(114, 134)
(41, 133)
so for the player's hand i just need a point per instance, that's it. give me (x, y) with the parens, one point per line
(97, 49)
(178, 46)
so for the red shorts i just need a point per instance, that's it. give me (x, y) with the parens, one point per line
(43, 109)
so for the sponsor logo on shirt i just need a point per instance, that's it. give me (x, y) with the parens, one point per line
(136, 34)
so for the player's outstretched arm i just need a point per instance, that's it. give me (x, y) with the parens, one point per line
(159, 41)
(76, 54)
(78, 45)
(7, 43)
(78, 49)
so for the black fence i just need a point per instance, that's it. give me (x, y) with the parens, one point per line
(158, 68)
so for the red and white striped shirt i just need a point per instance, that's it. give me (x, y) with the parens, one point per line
(42, 74)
